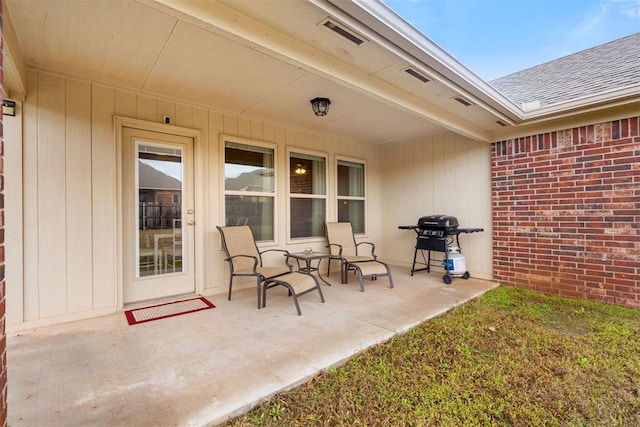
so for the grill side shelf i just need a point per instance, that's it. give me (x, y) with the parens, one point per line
(469, 230)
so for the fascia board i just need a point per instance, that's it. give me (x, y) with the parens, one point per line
(609, 99)
(596, 109)
(567, 122)
(565, 119)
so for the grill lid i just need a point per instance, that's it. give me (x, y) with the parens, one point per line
(438, 221)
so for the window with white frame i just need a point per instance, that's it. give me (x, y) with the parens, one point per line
(249, 186)
(351, 194)
(307, 194)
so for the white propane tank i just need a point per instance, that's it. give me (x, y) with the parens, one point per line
(457, 263)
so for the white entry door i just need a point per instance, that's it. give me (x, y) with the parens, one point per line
(158, 216)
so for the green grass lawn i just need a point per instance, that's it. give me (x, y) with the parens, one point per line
(511, 357)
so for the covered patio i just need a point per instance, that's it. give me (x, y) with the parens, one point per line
(226, 87)
(205, 367)
(93, 81)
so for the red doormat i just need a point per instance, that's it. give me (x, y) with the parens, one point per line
(170, 309)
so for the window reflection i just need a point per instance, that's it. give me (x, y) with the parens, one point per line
(307, 192)
(351, 194)
(159, 178)
(250, 188)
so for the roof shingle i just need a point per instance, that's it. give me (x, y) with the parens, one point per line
(612, 65)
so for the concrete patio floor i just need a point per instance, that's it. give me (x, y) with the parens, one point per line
(203, 368)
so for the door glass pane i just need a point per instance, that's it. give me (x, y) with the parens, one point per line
(159, 183)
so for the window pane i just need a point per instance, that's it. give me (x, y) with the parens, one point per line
(307, 217)
(251, 210)
(352, 211)
(248, 168)
(307, 174)
(350, 179)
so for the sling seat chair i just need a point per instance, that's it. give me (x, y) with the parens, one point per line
(352, 256)
(245, 259)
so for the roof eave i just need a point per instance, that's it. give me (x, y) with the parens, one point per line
(451, 72)
(606, 106)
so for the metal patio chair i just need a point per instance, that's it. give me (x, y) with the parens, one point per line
(352, 256)
(246, 260)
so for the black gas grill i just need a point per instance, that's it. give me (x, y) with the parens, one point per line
(437, 233)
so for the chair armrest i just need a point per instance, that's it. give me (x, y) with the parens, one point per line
(339, 249)
(373, 248)
(285, 253)
(255, 261)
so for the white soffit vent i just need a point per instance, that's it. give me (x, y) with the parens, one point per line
(416, 74)
(464, 101)
(343, 31)
(501, 123)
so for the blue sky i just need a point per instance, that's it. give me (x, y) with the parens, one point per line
(494, 38)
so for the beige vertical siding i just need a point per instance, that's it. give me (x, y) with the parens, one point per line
(446, 174)
(30, 191)
(70, 205)
(103, 198)
(78, 191)
(71, 267)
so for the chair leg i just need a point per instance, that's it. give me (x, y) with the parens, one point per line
(265, 285)
(361, 280)
(389, 276)
(230, 285)
(343, 272)
(258, 290)
(295, 301)
(291, 292)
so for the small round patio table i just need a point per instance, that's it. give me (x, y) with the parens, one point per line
(308, 257)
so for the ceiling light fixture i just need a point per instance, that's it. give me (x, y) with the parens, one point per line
(300, 170)
(320, 106)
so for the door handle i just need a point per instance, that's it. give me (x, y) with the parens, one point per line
(191, 222)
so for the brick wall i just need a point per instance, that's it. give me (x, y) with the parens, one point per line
(3, 338)
(566, 212)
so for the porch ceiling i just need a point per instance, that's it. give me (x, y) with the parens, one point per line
(260, 59)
